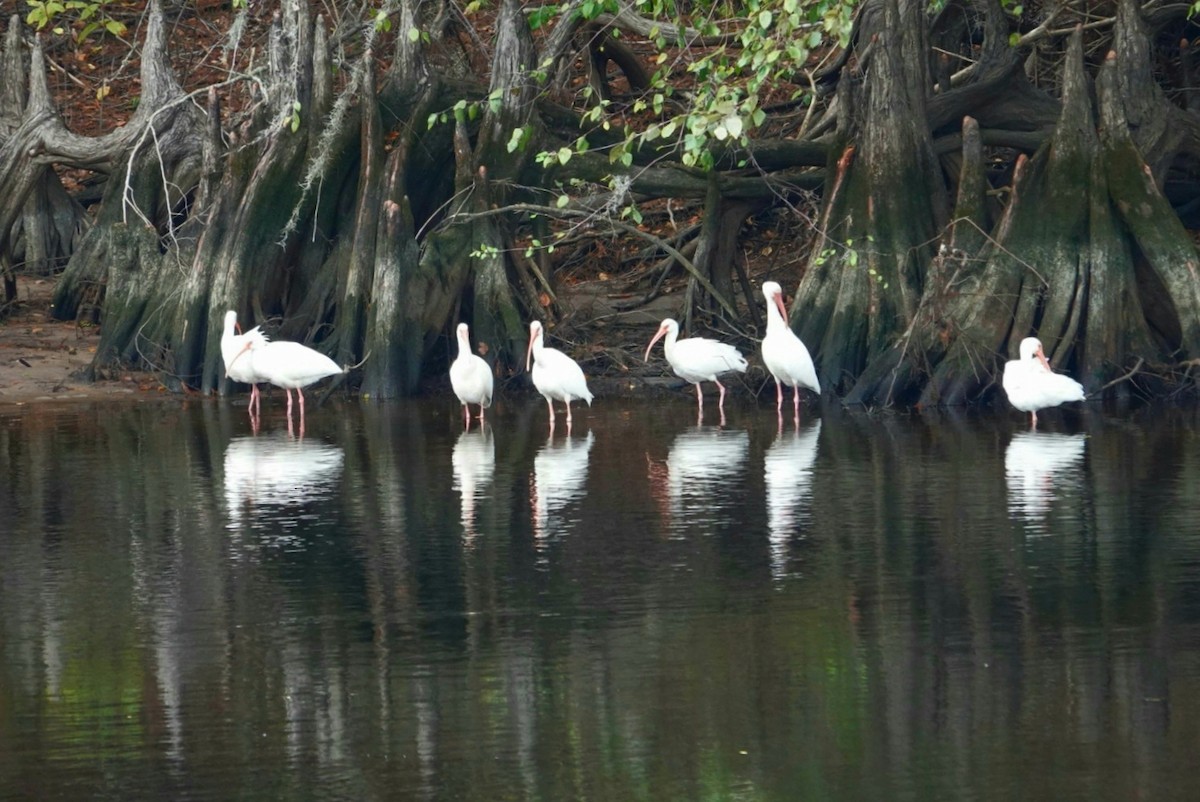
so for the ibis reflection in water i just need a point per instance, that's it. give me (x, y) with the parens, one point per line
(787, 477)
(559, 478)
(1035, 467)
(701, 471)
(278, 472)
(473, 462)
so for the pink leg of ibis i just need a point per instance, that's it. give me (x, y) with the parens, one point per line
(466, 416)
(778, 397)
(721, 402)
(300, 394)
(699, 397)
(796, 402)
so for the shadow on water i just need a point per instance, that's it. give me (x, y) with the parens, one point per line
(926, 606)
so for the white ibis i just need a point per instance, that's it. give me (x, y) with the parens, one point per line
(470, 377)
(555, 375)
(235, 350)
(784, 354)
(1031, 384)
(291, 366)
(1035, 463)
(698, 359)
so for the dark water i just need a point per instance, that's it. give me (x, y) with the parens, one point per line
(895, 607)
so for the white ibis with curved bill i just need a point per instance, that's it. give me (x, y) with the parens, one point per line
(784, 354)
(698, 359)
(470, 377)
(555, 375)
(291, 366)
(235, 354)
(1031, 384)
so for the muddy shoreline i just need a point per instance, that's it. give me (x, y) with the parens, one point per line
(45, 360)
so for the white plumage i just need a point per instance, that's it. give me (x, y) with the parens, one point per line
(470, 377)
(555, 375)
(1031, 384)
(698, 359)
(784, 354)
(235, 353)
(291, 366)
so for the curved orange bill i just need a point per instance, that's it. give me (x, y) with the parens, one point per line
(529, 351)
(782, 308)
(1041, 355)
(662, 330)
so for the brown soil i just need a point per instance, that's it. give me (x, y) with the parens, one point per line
(41, 359)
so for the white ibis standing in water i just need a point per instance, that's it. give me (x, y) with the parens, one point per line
(235, 352)
(470, 377)
(698, 359)
(784, 354)
(555, 375)
(291, 366)
(1031, 384)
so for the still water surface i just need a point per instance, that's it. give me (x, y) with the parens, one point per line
(942, 607)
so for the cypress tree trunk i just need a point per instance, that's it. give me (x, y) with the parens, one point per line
(883, 212)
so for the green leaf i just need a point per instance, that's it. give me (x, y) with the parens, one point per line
(562, 201)
(414, 34)
(764, 19)
(564, 155)
(514, 141)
